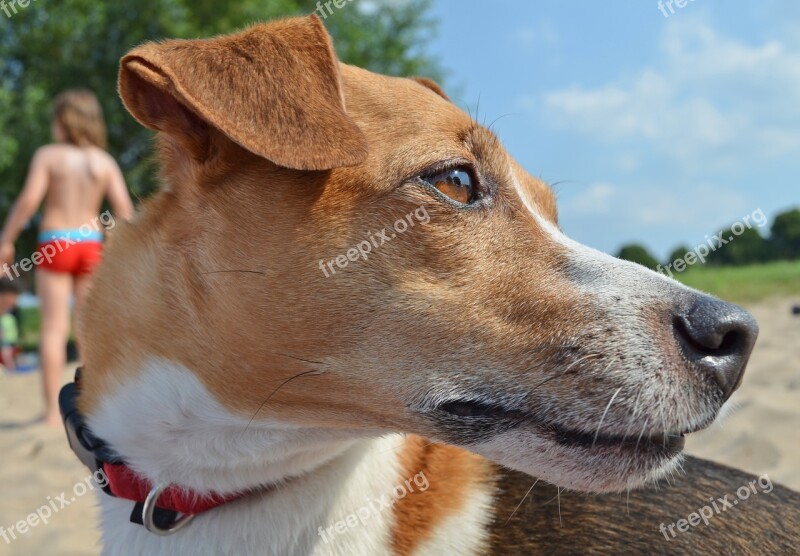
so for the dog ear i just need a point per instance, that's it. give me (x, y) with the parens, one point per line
(433, 86)
(274, 89)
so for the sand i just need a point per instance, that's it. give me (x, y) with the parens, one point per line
(36, 464)
(762, 432)
(762, 435)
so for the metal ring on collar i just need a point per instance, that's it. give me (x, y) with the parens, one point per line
(149, 508)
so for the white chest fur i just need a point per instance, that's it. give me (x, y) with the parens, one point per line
(171, 430)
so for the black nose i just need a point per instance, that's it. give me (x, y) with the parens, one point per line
(718, 337)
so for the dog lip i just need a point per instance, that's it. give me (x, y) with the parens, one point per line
(476, 411)
(473, 409)
(667, 442)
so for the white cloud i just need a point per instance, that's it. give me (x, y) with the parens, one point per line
(595, 199)
(657, 204)
(627, 162)
(709, 102)
(542, 33)
(707, 205)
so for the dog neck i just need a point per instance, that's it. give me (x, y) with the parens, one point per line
(170, 430)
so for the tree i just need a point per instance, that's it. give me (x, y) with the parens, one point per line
(749, 247)
(678, 253)
(785, 237)
(638, 254)
(48, 47)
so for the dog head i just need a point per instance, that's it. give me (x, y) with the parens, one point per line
(337, 249)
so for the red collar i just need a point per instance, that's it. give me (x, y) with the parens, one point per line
(157, 506)
(123, 482)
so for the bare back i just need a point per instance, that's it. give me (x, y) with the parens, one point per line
(79, 179)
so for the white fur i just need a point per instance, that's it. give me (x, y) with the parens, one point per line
(462, 533)
(170, 429)
(621, 274)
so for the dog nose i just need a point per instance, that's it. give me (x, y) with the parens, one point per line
(718, 337)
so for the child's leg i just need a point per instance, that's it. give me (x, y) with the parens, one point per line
(7, 357)
(82, 283)
(53, 289)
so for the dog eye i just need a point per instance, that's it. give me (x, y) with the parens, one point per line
(457, 183)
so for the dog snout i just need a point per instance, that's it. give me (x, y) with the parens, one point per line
(718, 337)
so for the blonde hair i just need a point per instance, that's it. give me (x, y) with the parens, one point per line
(79, 114)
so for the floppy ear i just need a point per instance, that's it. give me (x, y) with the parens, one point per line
(432, 85)
(274, 89)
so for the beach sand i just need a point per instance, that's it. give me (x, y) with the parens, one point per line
(762, 432)
(761, 436)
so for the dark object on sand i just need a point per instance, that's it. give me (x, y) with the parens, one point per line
(796, 310)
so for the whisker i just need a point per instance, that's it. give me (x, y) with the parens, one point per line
(641, 434)
(232, 271)
(300, 358)
(628, 500)
(605, 413)
(590, 356)
(521, 501)
(548, 379)
(633, 415)
(558, 495)
(554, 346)
(566, 371)
(559, 182)
(393, 448)
(491, 125)
(313, 372)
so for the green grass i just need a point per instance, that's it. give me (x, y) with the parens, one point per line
(745, 284)
(30, 322)
(30, 319)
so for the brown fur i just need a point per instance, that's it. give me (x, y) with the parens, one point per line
(549, 522)
(276, 157)
(169, 87)
(283, 222)
(454, 474)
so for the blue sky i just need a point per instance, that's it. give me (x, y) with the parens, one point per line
(662, 130)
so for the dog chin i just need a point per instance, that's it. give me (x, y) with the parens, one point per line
(598, 469)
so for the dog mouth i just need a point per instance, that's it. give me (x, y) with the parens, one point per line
(474, 413)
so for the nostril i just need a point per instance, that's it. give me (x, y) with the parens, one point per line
(682, 329)
(730, 343)
(716, 342)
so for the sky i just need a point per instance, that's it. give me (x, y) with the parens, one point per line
(657, 130)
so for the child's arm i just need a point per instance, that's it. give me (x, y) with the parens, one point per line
(26, 204)
(117, 194)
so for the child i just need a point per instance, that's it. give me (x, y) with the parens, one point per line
(70, 178)
(9, 333)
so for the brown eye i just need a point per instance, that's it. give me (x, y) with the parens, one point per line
(457, 183)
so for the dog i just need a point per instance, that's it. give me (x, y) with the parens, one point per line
(350, 324)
